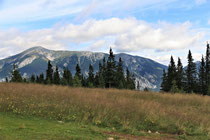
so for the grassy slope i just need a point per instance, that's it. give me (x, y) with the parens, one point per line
(129, 112)
(15, 127)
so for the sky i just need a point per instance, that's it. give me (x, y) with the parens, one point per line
(154, 29)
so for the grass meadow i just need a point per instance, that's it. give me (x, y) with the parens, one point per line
(179, 116)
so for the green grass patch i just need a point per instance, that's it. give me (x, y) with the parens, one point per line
(14, 127)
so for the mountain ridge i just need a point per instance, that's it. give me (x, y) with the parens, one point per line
(34, 61)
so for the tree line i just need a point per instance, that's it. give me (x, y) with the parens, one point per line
(110, 75)
(190, 80)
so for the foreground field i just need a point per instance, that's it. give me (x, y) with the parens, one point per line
(119, 111)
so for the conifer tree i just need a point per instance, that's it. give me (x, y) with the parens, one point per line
(16, 76)
(78, 72)
(130, 81)
(84, 82)
(207, 69)
(202, 77)
(56, 77)
(33, 78)
(67, 77)
(41, 78)
(180, 75)
(111, 70)
(91, 76)
(49, 74)
(77, 81)
(100, 76)
(171, 74)
(164, 84)
(120, 75)
(174, 88)
(191, 74)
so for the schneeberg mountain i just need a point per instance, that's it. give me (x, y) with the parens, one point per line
(34, 61)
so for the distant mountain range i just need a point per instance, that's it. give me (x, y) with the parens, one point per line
(34, 61)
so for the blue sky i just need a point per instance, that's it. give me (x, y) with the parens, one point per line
(154, 29)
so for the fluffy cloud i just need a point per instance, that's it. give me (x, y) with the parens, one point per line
(125, 35)
(163, 37)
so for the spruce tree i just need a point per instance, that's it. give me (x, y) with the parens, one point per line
(41, 78)
(120, 75)
(174, 88)
(207, 69)
(77, 81)
(180, 75)
(191, 74)
(49, 74)
(33, 78)
(84, 82)
(164, 84)
(202, 86)
(111, 70)
(100, 76)
(130, 80)
(78, 72)
(91, 76)
(16, 76)
(56, 76)
(171, 74)
(67, 77)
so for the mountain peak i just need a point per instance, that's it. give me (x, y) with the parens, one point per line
(37, 48)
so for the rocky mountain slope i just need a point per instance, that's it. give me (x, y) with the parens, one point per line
(34, 61)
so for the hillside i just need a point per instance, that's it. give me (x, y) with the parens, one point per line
(34, 61)
(121, 112)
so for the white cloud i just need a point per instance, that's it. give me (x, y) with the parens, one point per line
(164, 37)
(126, 35)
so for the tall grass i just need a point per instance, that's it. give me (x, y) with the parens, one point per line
(119, 109)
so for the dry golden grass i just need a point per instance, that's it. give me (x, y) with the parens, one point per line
(120, 109)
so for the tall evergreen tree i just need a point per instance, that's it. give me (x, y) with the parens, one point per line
(171, 74)
(49, 74)
(164, 84)
(130, 81)
(99, 78)
(77, 81)
(56, 76)
(91, 76)
(180, 75)
(67, 77)
(191, 74)
(111, 70)
(202, 77)
(16, 76)
(78, 72)
(33, 78)
(120, 75)
(207, 68)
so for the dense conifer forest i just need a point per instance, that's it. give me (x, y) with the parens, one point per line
(110, 75)
(190, 80)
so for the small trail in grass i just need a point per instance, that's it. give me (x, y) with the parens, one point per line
(132, 137)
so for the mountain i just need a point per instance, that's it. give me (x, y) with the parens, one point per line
(34, 61)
